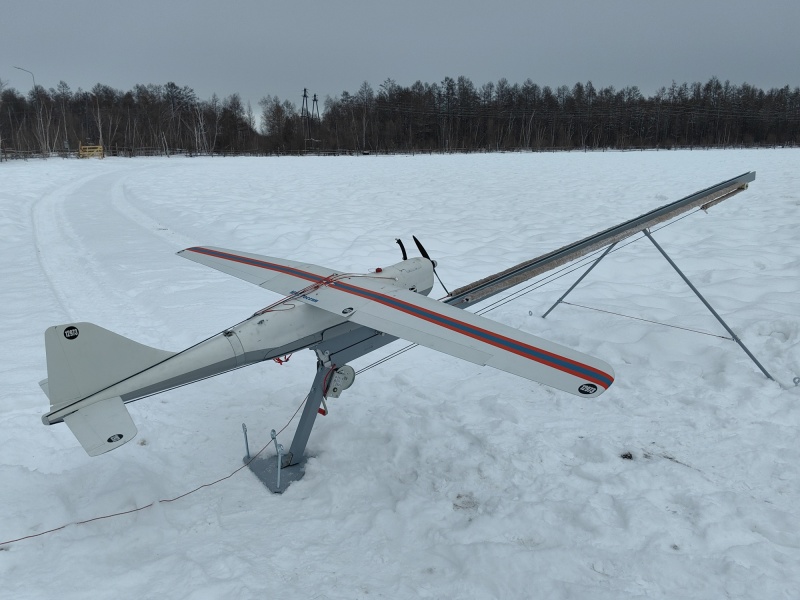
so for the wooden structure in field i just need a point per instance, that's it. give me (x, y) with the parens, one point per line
(90, 151)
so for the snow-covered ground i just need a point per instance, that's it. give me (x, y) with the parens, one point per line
(431, 477)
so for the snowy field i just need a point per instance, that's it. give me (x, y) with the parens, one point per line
(431, 477)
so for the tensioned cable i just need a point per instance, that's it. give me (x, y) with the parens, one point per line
(478, 312)
(564, 271)
(486, 309)
(509, 298)
(724, 337)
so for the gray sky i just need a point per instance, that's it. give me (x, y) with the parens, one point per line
(265, 47)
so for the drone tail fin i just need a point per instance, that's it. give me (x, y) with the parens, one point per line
(83, 360)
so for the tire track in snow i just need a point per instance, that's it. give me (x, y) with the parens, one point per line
(121, 202)
(186, 283)
(47, 220)
(77, 239)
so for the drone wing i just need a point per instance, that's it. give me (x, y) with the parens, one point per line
(278, 275)
(411, 316)
(379, 303)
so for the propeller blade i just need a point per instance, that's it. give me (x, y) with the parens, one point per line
(425, 254)
(421, 248)
(402, 248)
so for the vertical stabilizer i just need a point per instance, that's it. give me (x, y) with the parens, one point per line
(83, 358)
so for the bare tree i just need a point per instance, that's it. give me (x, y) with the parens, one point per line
(3, 85)
(366, 99)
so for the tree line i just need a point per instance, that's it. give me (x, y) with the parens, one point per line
(451, 116)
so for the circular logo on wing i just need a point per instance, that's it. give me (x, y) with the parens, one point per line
(347, 311)
(115, 438)
(587, 388)
(71, 332)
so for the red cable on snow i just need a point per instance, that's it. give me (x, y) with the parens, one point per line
(164, 500)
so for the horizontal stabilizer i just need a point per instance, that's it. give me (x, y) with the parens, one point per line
(102, 426)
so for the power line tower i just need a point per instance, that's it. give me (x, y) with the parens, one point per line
(309, 143)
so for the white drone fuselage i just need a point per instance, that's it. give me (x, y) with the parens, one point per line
(93, 372)
(88, 365)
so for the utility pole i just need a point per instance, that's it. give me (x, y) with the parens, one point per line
(315, 112)
(38, 108)
(307, 117)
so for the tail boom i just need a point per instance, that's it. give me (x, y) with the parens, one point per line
(93, 372)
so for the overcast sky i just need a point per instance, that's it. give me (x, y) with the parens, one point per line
(265, 47)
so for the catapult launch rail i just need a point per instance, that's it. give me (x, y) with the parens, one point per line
(499, 282)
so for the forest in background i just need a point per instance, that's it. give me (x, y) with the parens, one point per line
(451, 116)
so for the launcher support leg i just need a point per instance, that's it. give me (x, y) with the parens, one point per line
(708, 306)
(303, 431)
(574, 285)
(331, 353)
(292, 463)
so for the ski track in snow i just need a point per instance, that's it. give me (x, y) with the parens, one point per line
(46, 220)
(431, 477)
(70, 264)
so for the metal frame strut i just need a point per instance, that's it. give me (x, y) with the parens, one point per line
(686, 280)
